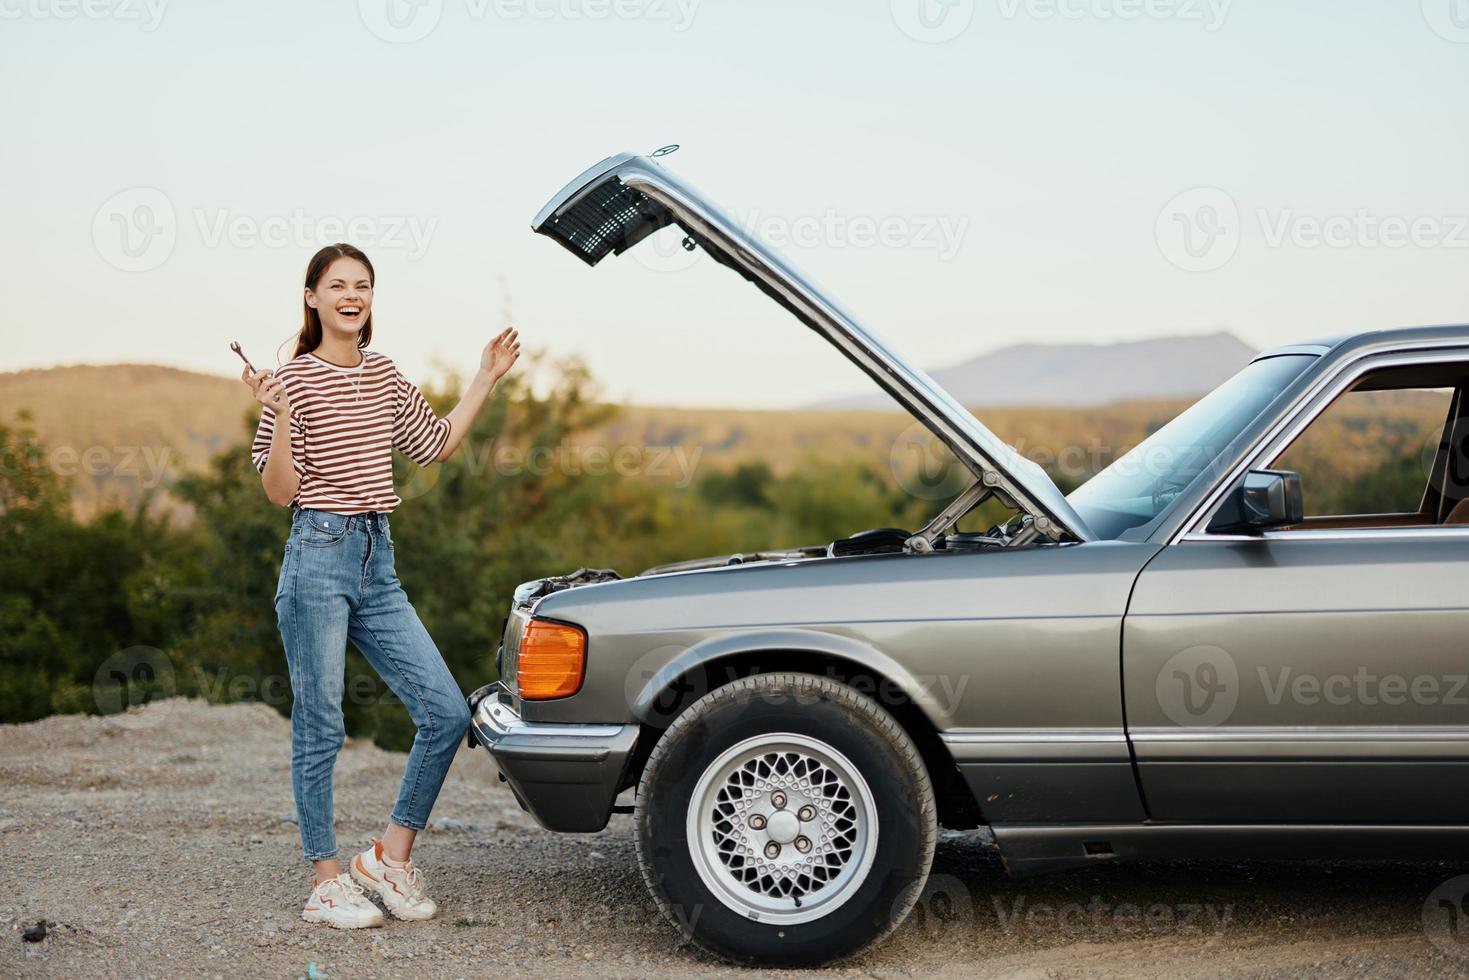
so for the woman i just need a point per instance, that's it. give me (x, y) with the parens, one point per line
(348, 408)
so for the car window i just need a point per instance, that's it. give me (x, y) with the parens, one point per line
(1371, 452)
(1143, 481)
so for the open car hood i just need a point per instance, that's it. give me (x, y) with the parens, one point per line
(624, 199)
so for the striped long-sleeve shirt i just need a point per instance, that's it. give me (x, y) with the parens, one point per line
(345, 422)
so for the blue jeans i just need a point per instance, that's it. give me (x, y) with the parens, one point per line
(337, 584)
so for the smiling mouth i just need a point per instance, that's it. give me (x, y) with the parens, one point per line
(350, 312)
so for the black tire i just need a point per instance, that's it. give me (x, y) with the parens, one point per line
(835, 716)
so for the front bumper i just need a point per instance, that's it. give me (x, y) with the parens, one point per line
(566, 776)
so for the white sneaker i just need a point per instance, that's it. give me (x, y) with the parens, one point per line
(341, 904)
(401, 889)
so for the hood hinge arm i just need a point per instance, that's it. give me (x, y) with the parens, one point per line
(978, 491)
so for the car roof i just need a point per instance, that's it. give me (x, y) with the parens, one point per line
(1456, 333)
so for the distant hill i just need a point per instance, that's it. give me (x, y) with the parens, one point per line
(123, 431)
(1084, 374)
(120, 431)
(1086, 438)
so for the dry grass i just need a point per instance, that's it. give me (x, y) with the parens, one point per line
(124, 430)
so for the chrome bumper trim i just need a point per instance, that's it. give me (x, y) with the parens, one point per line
(494, 719)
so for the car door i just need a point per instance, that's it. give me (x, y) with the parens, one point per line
(1319, 673)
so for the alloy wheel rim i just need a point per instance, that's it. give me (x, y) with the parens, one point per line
(782, 828)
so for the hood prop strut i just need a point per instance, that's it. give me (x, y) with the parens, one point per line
(977, 492)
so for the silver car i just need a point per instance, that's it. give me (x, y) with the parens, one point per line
(1183, 657)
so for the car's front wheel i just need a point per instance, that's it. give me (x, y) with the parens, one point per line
(785, 819)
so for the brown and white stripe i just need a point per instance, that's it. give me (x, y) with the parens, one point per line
(345, 422)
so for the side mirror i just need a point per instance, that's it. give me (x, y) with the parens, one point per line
(1266, 499)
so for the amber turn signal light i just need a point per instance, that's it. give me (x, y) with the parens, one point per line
(552, 660)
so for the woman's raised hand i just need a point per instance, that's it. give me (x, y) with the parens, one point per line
(500, 354)
(268, 391)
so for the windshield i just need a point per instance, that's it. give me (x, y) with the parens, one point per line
(1138, 485)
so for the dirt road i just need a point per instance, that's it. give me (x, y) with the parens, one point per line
(162, 844)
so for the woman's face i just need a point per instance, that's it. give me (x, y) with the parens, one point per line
(343, 298)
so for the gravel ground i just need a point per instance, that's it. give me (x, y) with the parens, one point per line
(162, 843)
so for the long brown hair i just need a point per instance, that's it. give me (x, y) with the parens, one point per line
(310, 336)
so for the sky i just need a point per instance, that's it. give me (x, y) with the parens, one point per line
(962, 174)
